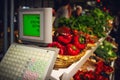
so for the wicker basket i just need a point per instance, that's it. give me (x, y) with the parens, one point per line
(64, 61)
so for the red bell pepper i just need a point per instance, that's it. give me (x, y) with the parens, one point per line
(89, 39)
(57, 45)
(79, 42)
(107, 69)
(65, 39)
(77, 75)
(89, 75)
(99, 67)
(64, 29)
(72, 49)
(75, 32)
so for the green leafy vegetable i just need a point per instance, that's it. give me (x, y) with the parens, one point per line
(96, 20)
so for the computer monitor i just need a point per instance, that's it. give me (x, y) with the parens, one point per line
(35, 25)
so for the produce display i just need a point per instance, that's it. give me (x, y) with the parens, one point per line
(97, 67)
(69, 42)
(94, 70)
(72, 45)
(96, 22)
(75, 33)
(106, 50)
(74, 36)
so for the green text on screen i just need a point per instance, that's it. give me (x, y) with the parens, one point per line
(31, 25)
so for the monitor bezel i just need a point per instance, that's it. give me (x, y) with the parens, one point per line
(22, 37)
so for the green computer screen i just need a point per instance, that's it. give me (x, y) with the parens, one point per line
(31, 25)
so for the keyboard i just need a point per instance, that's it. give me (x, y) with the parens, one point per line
(25, 62)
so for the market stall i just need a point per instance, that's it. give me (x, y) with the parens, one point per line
(77, 39)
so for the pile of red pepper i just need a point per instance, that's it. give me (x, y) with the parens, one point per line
(101, 72)
(70, 42)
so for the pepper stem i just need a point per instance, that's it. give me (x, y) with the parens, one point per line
(74, 47)
(81, 39)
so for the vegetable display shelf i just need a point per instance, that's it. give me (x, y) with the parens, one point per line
(67, 73)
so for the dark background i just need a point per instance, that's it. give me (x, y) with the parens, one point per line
(112, 5)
